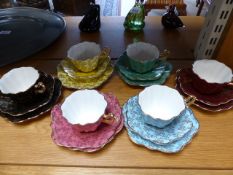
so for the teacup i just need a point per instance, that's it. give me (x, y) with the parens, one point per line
(85, 56)
(210, 76)
(86, 110)
(142, 56)
(22, 85)
(160, 105)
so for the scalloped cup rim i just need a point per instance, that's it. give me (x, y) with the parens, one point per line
(81, 47)
(197, 67)
(183, 106)
(17, 72)
(69, 117)
(150, 48)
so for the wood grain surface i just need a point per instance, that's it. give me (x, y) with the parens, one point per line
(28, 148)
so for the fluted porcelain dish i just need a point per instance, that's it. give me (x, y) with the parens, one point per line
(144, 83)
(24, 77)
(186, 84)
(84, 109)
(172, 147)
(210, 76)
(173, 132)
(66, 135)
(27, 102)
(85, 55)
(142, 56)
(69, 82)
(160, 105)
(40, 110)
(73, 72)
(123, 66)
(218, 108)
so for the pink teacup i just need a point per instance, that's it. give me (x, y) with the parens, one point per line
(210, 76)
(86, 110)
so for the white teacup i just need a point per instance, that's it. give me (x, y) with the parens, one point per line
(86, 110)
(160, 105)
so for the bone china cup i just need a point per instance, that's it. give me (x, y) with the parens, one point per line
(160, 105)
(85, 109)
(22, 85)
(85, 56)
(142, 56)
(210, 76)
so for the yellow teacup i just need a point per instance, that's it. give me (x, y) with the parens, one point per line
(85, 56)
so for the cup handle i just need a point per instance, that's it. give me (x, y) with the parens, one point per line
(40, 88)
(106, 51)
(190, 100)
(164, 55)
(109, 118)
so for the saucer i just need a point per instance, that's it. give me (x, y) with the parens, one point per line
(173, 132)
(69, 82)
(161, 80)
(173, 147)
(39, 111)
(119, 128)
(18, 109)
(221, 107)
(223, 97)
(73, 72)
(123, 66)
(66, 135)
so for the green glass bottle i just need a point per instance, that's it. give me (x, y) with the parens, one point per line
(135, 18)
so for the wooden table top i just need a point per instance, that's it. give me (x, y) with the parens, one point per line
(28, 148)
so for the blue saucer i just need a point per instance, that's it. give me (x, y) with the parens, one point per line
(174, 131)
(171, 147)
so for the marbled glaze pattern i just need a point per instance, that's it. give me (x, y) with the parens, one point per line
(123, 66)
(174, 131)
(65, 134)
(69, 82)
(172, 147)
(145, 83)
(73, 72)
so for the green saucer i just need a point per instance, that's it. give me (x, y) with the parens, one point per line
(144, 83)
(123, 66)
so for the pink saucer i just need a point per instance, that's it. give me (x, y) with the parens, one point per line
(65, 134)
(218, 108)
(185, 80)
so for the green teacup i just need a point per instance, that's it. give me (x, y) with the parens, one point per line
(142, 56)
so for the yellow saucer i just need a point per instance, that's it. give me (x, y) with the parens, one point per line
(69, 82)
(73, 72)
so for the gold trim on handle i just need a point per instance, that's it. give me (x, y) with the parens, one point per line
(190, 100)
(40, 88)
(164, 55)
(109, 118)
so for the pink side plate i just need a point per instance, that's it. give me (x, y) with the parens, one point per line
(67, 135)
(203, 106)
(223, 97)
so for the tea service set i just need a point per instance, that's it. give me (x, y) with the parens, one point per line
(86, 66)
(26, 93)
(209, 81)
(143, 65)
(158, 118)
